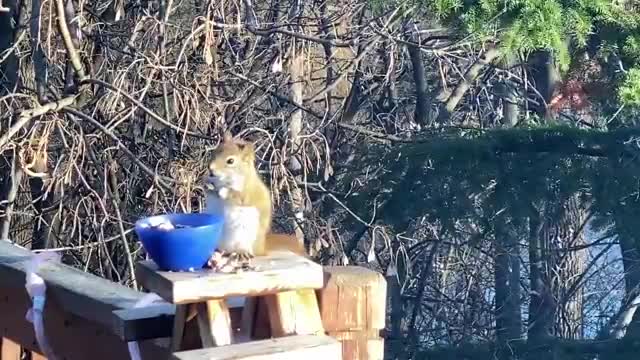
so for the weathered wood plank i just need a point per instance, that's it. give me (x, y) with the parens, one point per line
(71, 337)
(286, 348)
(150, 322)
(277, 272)
(88, 296)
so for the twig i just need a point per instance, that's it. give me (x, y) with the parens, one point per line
(265, 32)
(84, 246)
(146, 109)
(27, 115)
(161, 180)
(68, 42)
(112, 188)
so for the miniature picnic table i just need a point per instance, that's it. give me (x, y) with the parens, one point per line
(285, 281)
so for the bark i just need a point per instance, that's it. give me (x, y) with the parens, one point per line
(624, 217)
(76, 39)
(325, 25)
(413, 330)
(386, 102)
(546, 78)
(619, 324)
(509, 95)
(423, 102)
(564, 229)
(354, 99)
(507, 284)
(295, 129)
(395, 276)
(9, 21)
(37, 54)
(508, 315)
(541, 304)
(10, 193)
(11, 175)
(629, 243)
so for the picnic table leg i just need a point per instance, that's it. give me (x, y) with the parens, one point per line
(179, 322)
(294, 313)
(248, 318)
(214, 323)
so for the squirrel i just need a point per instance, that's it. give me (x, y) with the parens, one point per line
(236, 190)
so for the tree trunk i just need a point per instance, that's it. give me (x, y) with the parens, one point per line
(624, 217)
(9, 191)
(509, 95)
(423, 103)
(9, 25)
(542, 303)
(508, 313)
(547, 78)
(395, 341)
(507, 284)
(563, 228)
(296, 70)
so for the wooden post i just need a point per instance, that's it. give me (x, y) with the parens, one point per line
(9, 350)
(353, 307)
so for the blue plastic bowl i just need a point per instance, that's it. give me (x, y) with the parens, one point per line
(181, 248)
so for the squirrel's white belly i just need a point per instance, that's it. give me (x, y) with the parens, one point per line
(241, 224)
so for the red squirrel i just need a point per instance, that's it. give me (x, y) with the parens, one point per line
(236, 190)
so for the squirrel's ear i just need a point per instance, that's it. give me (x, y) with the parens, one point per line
(247, 149)
(226, 136)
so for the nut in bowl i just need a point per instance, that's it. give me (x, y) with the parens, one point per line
(180, 242)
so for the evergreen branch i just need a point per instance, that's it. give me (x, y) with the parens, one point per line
(541, 346)
(559, 140)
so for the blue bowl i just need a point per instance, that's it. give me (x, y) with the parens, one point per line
(188, 246)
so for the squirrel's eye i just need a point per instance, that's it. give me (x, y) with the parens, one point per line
(230, 161)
